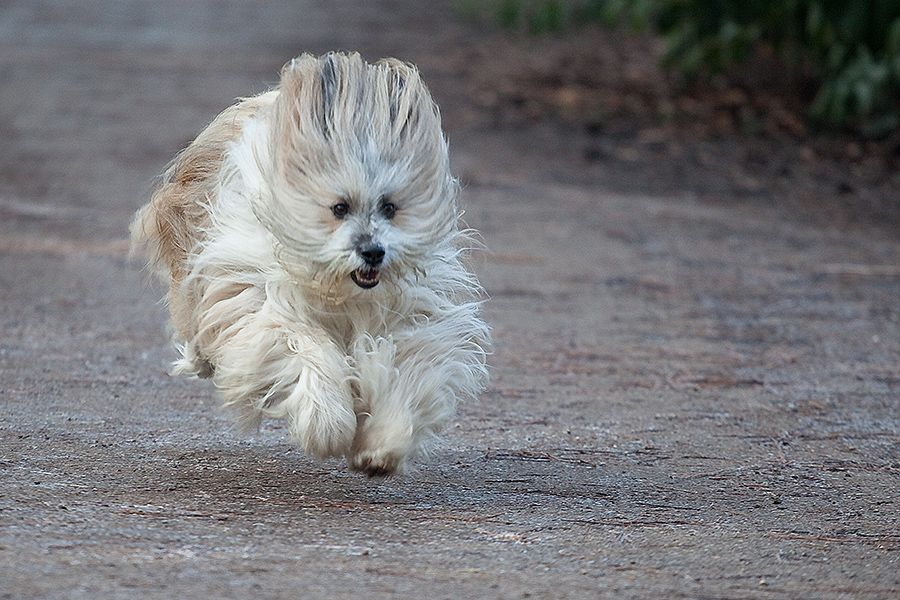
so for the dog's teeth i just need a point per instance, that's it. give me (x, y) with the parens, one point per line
(365, 278)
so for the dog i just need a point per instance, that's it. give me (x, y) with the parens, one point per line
(312, 245)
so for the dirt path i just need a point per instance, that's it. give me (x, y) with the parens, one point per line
(691, 397)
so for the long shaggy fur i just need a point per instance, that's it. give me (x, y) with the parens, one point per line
(310, 240)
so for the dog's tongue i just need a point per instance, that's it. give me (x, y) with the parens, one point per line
(365, 278)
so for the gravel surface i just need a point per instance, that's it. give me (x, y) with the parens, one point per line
(692, 396)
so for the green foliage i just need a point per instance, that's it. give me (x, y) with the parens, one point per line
(852, 46)
(537, 17)
(540, 17)
(857, 45)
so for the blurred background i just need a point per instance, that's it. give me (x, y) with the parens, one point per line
(790, 104)
(691, 215)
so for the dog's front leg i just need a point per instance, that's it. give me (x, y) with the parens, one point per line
(408, 385)
(385, 419)
(297, 373)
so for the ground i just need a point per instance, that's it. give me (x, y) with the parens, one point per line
(695, 383)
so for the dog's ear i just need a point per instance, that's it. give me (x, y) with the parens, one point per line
(304, 117)
(396, 82)
(299, 105)
(407, 96)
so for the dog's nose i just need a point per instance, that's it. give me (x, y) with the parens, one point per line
(372, 253)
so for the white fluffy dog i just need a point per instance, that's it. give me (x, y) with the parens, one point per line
(310, 240)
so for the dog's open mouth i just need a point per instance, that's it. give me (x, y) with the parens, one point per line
(365, 277)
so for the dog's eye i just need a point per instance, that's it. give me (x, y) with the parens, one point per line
(388, 210)
(340, 210)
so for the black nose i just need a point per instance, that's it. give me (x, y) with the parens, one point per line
(372, 253)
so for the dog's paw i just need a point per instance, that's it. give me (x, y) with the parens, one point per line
(377, 463)
(322, 431)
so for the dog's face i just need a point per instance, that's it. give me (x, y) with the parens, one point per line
(360, 185)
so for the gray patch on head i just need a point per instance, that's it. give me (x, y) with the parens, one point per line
(395, 98)
(329, 85)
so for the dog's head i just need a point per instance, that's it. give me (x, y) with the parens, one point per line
(360, 183)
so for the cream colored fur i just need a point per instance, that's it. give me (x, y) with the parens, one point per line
(249, 232)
